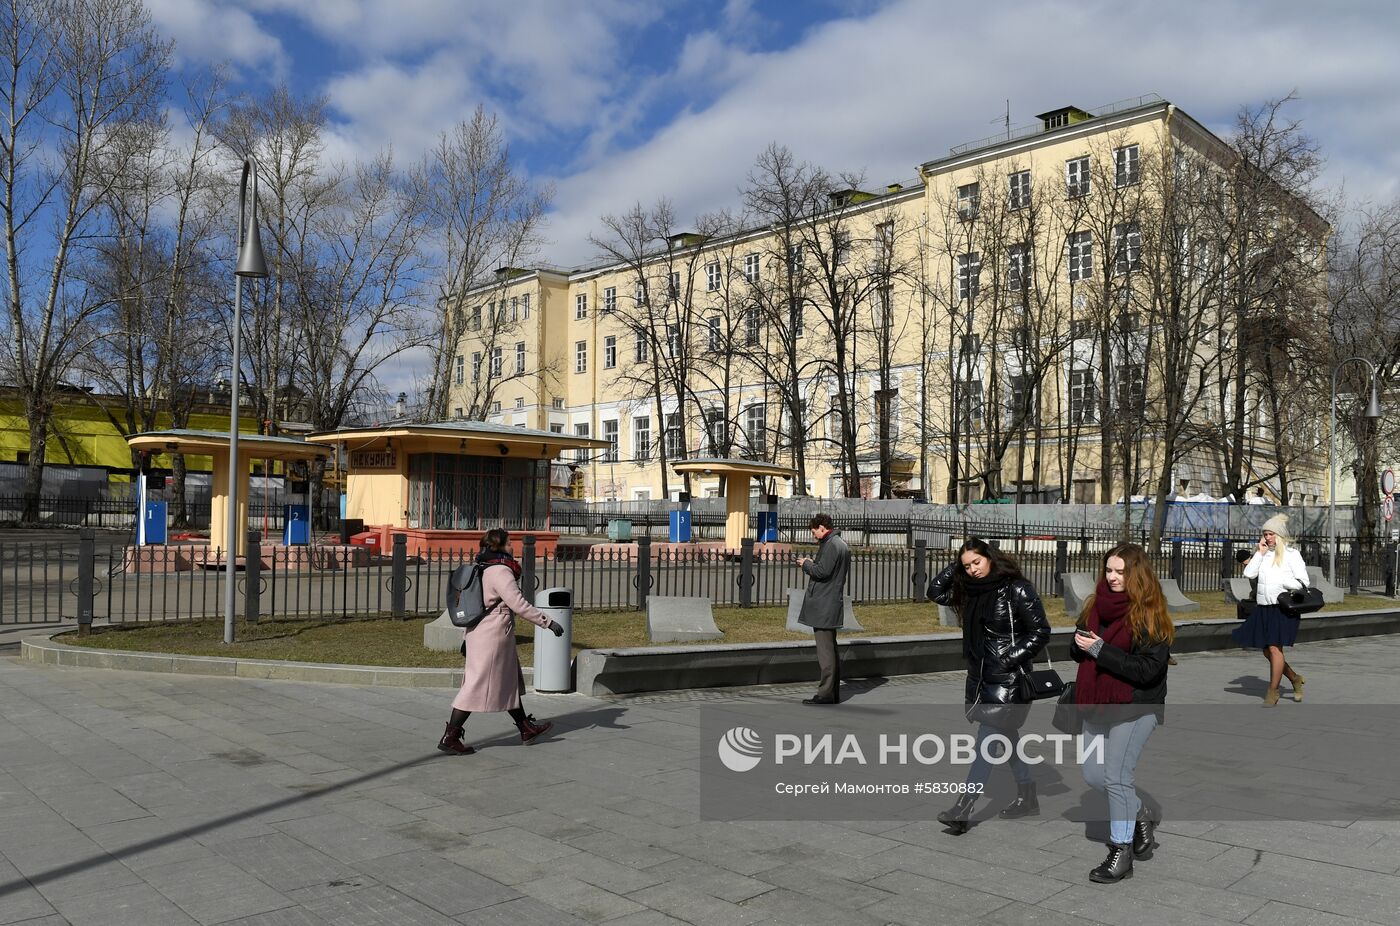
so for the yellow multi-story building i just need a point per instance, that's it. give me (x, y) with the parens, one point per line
(1039, 315)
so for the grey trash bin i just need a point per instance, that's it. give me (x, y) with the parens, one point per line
(553, 655)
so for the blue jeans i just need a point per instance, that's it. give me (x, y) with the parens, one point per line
(1113, 776)
(980, 769)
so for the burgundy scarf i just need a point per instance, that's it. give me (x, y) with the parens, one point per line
(1108, 619)
(499, 558)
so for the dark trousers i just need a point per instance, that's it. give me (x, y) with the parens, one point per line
(829, 664)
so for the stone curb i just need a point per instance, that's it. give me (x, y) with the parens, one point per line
(666, 668)
(46, 650)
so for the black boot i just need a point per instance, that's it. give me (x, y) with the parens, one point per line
(1025, 805)
(1116, 867)
(1144, 836)
(955, 817)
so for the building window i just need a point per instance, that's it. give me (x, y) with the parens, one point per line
(969, 201)
(641, 438)
(639, 294)
(476, 366)
(751, 267)
(641, 348)
(753, 327)
(525, 306)
(495, 408)
(755, 429)
(970, 404)
(556, 429)
(1085, 491)
(1127, 247)
(520, 402)
(795, 316)
(581, 454)
(497, 362)
(794, 261)
(459, 370)
(1128, 322)
(609, 352)
(673, 436)
(609, 300)
(969, 346)
(580, 356)
(520, 356)
(1125, 165)
(1019, 189)
(1081, 256)
(1077, 177)
(674, 345)
(1083, 397)
(557, 403)
(515, 308)
(1018, 270)
(457, 412)
(716, 333)
(610, 435)
(887, 407)
(580, 305)
(673, 285)
(841, 247)
(712, 276)
(716, 431)
(969, 275)
(1020, 398)
(1081, 329)
(1132, 386)
(476, 317)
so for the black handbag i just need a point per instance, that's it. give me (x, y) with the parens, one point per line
(1068, 717)
(1300, 601)
(1037, 684)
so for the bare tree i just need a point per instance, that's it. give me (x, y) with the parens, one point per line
(74, 70)
(483, 217)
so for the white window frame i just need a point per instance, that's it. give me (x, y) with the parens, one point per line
(1127, 248)
(610, 434)
(1078, 181)
(640, 349)
(580, 306)
(751, 267)
(641, 438)
(1018, 190)
(756, 428)
(673, 436)
(969, 275)
(1019, 266)
(674, 344)
(476, 366)
(609, 300)
(969, 200)
(580, 356)
(712, 276)
(497, 362)
(1083, 405)
(609, 352)
(582, 454)
(1127, 169)
(715, 324)
(1080, 245)
(525, 306)
(459, 370)
(519, 356)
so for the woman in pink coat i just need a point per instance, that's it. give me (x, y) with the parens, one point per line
(493, 680)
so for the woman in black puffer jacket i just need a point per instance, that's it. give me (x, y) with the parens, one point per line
(1004, 627)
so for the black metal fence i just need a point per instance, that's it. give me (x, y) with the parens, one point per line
(120, 513)
(53, 581)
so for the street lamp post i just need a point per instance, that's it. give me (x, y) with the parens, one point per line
(252, 264)
(1373, 410)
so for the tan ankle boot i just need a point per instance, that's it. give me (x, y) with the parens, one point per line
(1271, 697)
(1297, 681)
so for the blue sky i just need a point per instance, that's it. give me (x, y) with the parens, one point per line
(623, 101)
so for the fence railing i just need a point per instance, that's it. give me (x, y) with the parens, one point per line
(54, 581)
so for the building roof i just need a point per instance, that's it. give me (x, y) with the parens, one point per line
(258, 446)
(456, 431)
(731, 466)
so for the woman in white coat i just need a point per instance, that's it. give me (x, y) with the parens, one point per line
(1278, 568)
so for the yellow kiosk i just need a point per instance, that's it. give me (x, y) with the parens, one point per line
(736, 474)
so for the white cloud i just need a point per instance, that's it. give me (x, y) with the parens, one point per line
(205, 31)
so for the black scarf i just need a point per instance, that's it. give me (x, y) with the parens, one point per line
(978, 608)
(498, 557)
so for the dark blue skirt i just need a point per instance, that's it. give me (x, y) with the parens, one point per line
(1266, 626)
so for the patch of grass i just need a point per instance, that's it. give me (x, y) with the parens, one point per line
(389, 642)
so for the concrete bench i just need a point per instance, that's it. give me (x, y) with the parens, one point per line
(795, 596)
(1079, 588)
(1331, 594)
(947, 617)
(1238, 589)
(680, 620)
(1177, 603)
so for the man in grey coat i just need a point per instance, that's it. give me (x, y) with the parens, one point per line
(822, 604)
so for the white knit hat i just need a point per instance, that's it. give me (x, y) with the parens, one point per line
(1278, 524)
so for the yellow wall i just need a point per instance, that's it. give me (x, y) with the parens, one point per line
(82, 435)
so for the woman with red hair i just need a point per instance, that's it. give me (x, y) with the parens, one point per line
(1122, 645)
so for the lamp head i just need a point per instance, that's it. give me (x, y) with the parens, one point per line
(1373, 407)
(251, 261)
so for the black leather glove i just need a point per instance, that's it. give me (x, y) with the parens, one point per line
(556, 629)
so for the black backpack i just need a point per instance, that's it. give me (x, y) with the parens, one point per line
(466, 604)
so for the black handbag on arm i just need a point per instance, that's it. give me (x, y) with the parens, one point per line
(1037, 684)
(1300, 601)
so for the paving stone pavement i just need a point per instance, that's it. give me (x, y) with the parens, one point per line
(147, 799)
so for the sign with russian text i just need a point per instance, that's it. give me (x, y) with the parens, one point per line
(373, 459)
